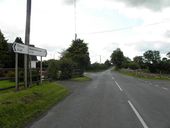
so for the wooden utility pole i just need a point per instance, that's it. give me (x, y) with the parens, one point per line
(27, 40)
(75, 20)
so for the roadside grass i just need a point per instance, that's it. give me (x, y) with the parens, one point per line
(6, 84)
(143, 75)
(81, 79)
(96, 70)
(17, 109)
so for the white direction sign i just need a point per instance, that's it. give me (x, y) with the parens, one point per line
(20, 48)
(25, 49)
(37, 51)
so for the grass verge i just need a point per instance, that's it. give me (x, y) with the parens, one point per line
(6, 84)
(81, 79)
(19, 108)
(143, 75)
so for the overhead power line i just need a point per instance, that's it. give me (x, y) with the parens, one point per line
(126, 28)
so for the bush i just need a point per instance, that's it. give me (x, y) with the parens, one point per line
(21, 76)
(133, 66)
(97, 67)
(35, 75)
(66, 67)
(10, 74)
(53, 69)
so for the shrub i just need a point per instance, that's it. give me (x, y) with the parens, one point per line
(10, 74)
(53, 70)
(66, 67)
(133, 66)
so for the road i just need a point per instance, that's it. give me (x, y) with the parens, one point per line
(111, 100)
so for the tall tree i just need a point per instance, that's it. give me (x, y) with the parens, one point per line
(78, 52)
(107, 63)
(168, 54)
(152, 57)
(19, 40)
(4, 57)
(140, 61)
(117, 58)
(153, 60)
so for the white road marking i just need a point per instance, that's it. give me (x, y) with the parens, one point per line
(119, 86)
(164, 88)
(138, 115)
(113, 78)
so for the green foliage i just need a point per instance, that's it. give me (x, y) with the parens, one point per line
(66, 68)
(53, 69)
(117, 58)
(44, 64)
(107, 63)
(6, 84)
(19, 108)
(7, 56)
(78, 52)
(132, 65)
(168, 54)
(4, 56)
(10, 74)
(140, 61)
(96, 67)
(126, 62)
(35, 75)
(144, 75)
(152, 57)
(62, 69)
(150, 61)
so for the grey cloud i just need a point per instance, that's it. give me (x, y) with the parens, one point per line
(111, 47)
(155, 5)
(161, 46)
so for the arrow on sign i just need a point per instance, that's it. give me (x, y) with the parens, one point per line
(29, 50)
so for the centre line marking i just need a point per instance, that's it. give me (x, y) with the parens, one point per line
(138, 115)
(113, 78)
(119, 86)
(164, 88)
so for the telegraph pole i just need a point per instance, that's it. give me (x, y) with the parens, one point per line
(27, 40)
(75, 19)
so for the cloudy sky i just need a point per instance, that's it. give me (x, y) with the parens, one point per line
(132, 25)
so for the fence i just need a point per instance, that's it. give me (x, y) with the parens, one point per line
(7, 77)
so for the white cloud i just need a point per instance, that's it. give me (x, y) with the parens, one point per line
(52, 25)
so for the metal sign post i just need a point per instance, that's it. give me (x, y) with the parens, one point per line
(28, 50)
(16, 71)
(41, 71)
(30, 70)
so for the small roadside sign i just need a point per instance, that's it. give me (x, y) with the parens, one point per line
(37, 51)
(25, 49)
(28, 50)
(20, 48)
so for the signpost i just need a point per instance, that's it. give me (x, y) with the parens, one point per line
(37, 51)
(20, 48)
(27, 50)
